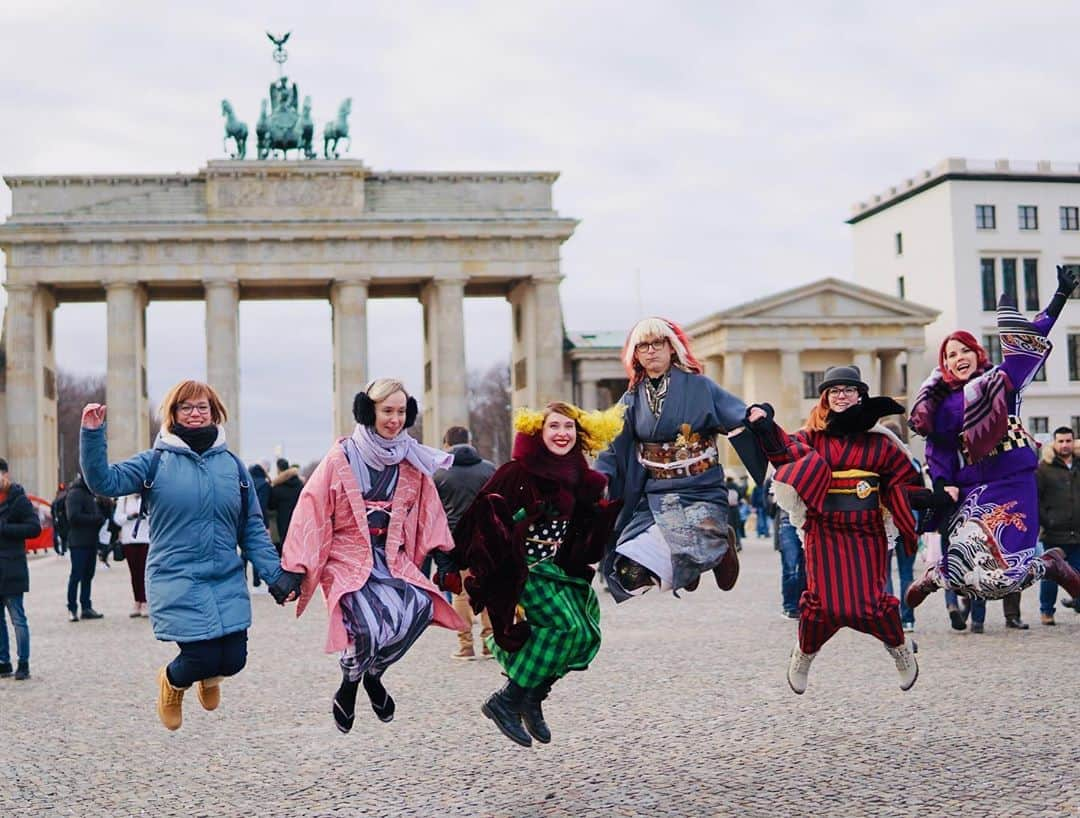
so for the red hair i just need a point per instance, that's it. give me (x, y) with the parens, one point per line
(657, 327)
(968, 340)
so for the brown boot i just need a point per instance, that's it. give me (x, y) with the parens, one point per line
(1059, 571)
(727, 572)
(209, 692)
(170, 702)
(921, 589)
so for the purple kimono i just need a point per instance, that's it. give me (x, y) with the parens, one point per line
(976, 442)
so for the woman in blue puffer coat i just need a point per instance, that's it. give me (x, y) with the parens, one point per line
(196, 505)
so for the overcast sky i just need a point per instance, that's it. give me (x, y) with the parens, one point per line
(713, 149)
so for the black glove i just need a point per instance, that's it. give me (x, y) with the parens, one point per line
(1067, 281)
(287, 585)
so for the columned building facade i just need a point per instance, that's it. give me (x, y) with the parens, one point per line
(235, 230)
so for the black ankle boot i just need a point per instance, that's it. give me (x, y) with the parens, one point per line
(22, 672)
(504, 708)
(533, 716)
(5, 669)
(381, 701)
(633, 575)
(344, 708)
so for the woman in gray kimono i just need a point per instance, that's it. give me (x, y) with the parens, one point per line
(665, 466)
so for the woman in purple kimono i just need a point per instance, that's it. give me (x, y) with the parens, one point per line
(665, 466)
(977, 448)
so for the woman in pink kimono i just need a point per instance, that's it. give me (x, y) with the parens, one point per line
(365, 521)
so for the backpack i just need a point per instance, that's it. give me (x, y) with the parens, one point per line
(148, 483)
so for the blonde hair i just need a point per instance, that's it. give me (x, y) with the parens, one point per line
(655, 327)
(595, 430)
(186, 391)
(382, 388)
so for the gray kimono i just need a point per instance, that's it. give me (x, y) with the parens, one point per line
(692, 512)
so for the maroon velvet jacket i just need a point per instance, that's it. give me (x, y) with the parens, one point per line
(489, 538)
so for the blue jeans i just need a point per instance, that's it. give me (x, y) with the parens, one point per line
(1048, 588)
(206, 658)
(14, 605)
(792, 567)
(906, 566)
(762, 522)
(83, 564)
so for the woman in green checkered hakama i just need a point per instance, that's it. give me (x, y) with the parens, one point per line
(529, 541)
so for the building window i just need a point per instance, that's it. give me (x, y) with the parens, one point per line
(1008, 279)
(992, 345)
(1070, 218)
(985, 218)
(1029, 217)
(1039, 425)
(810, 383)
(1074, 357)
(1031, 284)
(1074, 268)
(1074, 421)
(899, 244)
(900, 292)
(989, 285)
(1040, 373)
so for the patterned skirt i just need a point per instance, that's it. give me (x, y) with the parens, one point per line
(383, 620)
(992, 540)
(564, 616)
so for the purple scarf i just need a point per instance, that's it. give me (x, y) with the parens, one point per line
(376, 451)
(986, 410)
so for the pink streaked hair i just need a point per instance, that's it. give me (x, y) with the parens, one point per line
(649, 329)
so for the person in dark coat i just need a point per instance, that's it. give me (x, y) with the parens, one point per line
(60, 523)
(18, 523)
(1058, 485)
(284, 492)
(85, 518)
(260, 481)
(458, 487)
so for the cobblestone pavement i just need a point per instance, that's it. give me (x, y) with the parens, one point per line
(686, 712)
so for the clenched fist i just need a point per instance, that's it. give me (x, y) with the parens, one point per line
(93, 415)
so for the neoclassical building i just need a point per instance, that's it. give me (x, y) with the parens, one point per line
(326, 229)
(777, 348)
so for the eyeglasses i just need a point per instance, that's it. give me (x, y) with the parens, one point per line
(846, 391)
(655, 346)
(192, 408)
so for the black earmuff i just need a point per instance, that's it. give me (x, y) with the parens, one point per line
(363, 409)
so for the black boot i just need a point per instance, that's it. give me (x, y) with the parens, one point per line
(344, 708)
(381, 702)
(533, 716)
(504, 708)
(22, 672)
(5, 669)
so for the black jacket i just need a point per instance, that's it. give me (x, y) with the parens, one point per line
(284, 492)
(18, 523)
(459, 484)
(1059, 502)
(84, 516)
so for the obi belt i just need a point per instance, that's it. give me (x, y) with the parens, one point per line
(685, 456)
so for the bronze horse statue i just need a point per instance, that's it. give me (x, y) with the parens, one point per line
(234, 130)
(337, 130)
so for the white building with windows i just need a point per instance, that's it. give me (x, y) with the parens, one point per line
(962, 233)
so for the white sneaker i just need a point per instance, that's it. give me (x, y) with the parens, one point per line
(906, 664)
(798, 669)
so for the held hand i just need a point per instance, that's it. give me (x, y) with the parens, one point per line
(450, 581)
(287, 588)
(93, 415)
(1067, 279)
(756, 413)
(953, 492)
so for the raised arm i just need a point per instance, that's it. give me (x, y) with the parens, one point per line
(110, 481)
(780, 447)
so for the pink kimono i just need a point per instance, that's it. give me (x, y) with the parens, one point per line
(329, 541)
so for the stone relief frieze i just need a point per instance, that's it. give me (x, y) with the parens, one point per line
(272, 192)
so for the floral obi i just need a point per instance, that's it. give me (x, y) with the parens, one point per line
(688, 454)
(543, 539)
(853, 490)
(1016, 437)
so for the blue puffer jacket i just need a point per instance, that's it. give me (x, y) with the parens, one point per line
(194, 577)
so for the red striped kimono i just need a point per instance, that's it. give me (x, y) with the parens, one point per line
(846, 551)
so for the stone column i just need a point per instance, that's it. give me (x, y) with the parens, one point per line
(790, 394)
(348, 309)
(223, 350)
(590, 394)
(733, 373)
(536, 368)
(714, 368)
(890, 373)
(867, 363)
(125, 380)
(31, 388)
(916, 372)
(445, 403)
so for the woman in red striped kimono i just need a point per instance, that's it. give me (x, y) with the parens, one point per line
(838, 477)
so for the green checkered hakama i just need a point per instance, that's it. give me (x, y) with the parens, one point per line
(564, 615)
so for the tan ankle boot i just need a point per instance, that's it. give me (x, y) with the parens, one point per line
(170, 702)
(209, 692)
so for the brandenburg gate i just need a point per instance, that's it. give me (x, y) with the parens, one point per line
(272, 229)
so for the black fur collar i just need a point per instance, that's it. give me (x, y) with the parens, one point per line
(861, 417)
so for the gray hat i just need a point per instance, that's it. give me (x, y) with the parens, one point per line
(843, 376)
